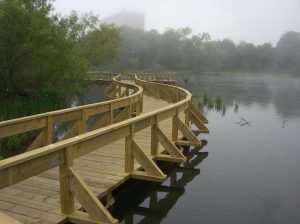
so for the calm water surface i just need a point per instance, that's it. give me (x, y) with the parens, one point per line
(249, 171)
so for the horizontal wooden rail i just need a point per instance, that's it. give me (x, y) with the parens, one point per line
(62, 154)
(105, 76)
(169, 77)
(131, 98)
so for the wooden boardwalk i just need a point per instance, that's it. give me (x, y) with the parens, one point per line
(37, 199)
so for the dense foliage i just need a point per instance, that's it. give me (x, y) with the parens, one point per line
(43, 54)
(181, 50)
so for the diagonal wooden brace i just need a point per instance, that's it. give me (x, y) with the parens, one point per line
(110, 88)
(198, 114)
(187, 133)
(199, 124)
(175, 154)
(114, 92)
(121, 116)
(88, 199)
(123, 94)
(152, 171)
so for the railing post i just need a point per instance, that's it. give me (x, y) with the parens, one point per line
(82, 122)
(66, 195)
(138, 105)
(110, 117)
(141, 103)
(175, 127)
(127, 91)
(169, 96)
(120, 90)
(129, 160)
(154, 137)
(137, 108)
(187, 117)
(48, 137)
(129, 109)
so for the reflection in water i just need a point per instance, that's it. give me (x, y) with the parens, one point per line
(153, 201)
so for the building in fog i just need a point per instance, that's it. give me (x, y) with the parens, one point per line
(127, 18)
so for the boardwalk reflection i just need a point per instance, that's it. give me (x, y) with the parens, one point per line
(149, 202)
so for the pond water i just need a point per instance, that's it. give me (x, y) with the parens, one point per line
(249, 170)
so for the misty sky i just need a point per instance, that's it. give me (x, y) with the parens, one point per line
(255, 21)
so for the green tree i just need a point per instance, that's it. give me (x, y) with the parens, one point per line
(97, 43)
(35, 53)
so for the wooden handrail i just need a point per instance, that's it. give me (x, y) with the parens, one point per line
(62, 154)
(162, 113)
(45, 120)
(157, 77)
(105, 76)
(118, 130)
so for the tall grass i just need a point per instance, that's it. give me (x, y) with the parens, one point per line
(20, 107)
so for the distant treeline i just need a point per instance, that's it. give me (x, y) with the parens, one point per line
(181, 50)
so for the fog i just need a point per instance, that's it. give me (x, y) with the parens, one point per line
(255, 21)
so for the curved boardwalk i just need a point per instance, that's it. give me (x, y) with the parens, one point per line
(38, 198)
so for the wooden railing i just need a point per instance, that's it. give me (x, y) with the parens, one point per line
(167, 78)
(104, 76)
(62, 154)
(129, 101)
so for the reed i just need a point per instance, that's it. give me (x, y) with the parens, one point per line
(20, 107)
